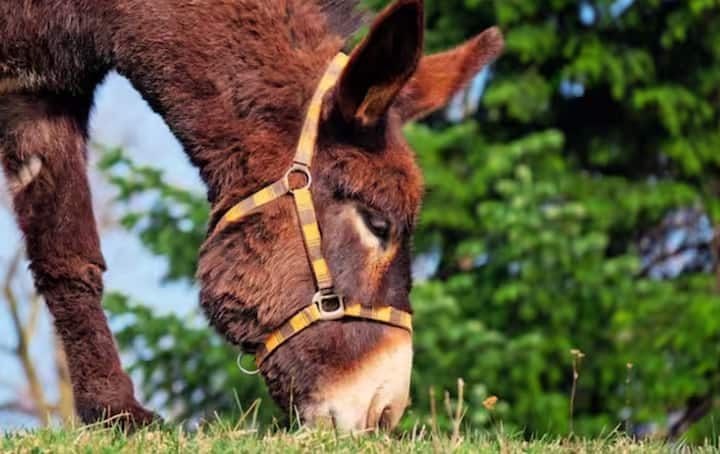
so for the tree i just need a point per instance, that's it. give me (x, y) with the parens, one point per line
(600, 119)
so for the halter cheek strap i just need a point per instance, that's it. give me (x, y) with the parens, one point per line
(326, 304)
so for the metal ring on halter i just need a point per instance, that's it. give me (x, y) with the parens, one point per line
(243, 370)
(301, 169)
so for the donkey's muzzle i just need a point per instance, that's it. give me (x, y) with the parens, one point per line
(370, 395)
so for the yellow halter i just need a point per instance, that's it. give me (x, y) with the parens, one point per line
(326, 304)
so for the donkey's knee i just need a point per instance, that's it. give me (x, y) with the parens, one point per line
(43, 157)
(67, 282)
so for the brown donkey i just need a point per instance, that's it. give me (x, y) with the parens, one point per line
(234, 80)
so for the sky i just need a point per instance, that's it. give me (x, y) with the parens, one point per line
(120, 118)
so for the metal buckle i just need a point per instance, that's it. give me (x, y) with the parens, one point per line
(298, 168)
(330, 305)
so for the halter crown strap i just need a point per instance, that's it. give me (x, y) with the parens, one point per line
(308, 138)
(326, 305)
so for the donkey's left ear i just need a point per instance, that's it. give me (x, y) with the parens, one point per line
(382, 64)
(440, 76)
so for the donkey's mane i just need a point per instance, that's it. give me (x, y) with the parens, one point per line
(259, 67)
(290, 42)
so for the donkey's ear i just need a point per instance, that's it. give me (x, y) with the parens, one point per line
(440, 76)
(382, 64)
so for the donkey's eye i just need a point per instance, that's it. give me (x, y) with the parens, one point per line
(377, 224)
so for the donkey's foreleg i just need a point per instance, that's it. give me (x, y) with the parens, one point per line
(42, 147)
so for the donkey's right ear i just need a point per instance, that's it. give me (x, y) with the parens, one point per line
(440, 76)
(382, 64)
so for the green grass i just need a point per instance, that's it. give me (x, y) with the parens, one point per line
(223, 438)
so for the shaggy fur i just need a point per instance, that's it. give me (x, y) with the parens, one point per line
(232, 79)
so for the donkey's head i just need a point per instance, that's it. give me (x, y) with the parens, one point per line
(366, 190)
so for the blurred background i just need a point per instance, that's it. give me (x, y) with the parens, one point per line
(566, 259)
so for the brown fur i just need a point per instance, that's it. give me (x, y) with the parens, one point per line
(232, 79)
(55, 214)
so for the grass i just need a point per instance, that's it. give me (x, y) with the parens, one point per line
(243, 435)
(222, 438)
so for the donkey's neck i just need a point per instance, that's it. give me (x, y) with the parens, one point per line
(231, 78)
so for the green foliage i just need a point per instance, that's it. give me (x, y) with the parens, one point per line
(551, 191)
(545, 284)
(180, 363)
(173, 226)
(535, 208)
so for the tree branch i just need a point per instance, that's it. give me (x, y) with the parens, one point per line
(23, 347)
(15, 407)
(645, 271)
(66, 401)
(696, 409)
(35, 306)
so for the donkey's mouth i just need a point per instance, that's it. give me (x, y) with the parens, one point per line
(370, 395)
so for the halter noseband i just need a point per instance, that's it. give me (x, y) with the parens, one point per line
(326, 304)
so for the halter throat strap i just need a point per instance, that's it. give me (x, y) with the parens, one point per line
(326, 304)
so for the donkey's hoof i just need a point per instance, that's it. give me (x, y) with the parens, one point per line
(129, 417)
(134, 417)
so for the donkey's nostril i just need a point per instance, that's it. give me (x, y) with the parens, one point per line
(333, 419)
(386, 419)
(383, 418)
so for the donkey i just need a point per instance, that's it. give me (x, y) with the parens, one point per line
(234, 80)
